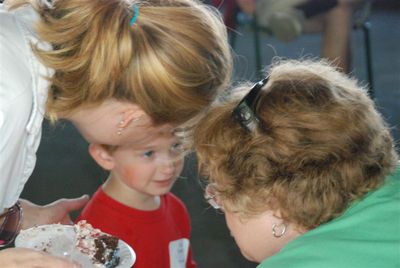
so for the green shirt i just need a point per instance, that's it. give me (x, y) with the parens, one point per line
(367, 235)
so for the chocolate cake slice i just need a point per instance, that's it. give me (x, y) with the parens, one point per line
(107, 250)
(102, 248)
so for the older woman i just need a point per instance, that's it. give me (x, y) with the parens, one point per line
(304, 169)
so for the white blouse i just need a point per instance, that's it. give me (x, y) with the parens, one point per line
(23, 94)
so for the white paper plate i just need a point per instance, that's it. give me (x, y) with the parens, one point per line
(59, 240)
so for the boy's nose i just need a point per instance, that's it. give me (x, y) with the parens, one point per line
(168, 167)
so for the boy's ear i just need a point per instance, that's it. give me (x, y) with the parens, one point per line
(101, 156)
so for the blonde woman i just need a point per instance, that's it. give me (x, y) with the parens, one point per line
(114, 68)
(304, 169)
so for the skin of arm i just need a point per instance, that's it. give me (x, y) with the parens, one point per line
(21, 257)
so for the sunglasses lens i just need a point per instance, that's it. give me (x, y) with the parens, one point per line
(244, 113)
(10, 227)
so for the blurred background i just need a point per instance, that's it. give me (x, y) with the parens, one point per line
(65, 169)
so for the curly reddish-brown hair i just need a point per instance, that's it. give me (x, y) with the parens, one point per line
(320, 145)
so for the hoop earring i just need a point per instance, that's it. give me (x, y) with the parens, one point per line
(281, 233)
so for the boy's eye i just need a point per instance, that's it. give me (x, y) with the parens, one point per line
(148, 153)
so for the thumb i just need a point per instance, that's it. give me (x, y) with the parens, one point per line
(74, 203)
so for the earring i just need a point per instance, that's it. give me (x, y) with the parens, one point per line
(281, 233)
(121, 128)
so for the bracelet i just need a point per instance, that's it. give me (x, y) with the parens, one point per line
(11, 224)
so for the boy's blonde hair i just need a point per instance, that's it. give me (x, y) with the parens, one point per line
(320, 145)
(172, 61)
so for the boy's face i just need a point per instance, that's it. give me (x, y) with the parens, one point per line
(152, 167)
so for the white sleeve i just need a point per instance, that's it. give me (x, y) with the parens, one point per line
(15, 108)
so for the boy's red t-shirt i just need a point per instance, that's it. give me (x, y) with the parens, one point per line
(160, 238)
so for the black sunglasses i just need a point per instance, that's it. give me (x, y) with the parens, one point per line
(11, 224)
(244, 112)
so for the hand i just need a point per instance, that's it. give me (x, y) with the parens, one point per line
(56, 212)
(21, 257)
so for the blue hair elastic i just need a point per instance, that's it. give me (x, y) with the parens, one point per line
(135, 14)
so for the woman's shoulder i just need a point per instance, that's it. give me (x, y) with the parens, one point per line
(25, 17)
(16, 54)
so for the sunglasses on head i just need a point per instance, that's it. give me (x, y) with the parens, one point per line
(11, 224)
(244, 112)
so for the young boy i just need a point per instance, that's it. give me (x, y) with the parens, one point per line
(135, 204)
